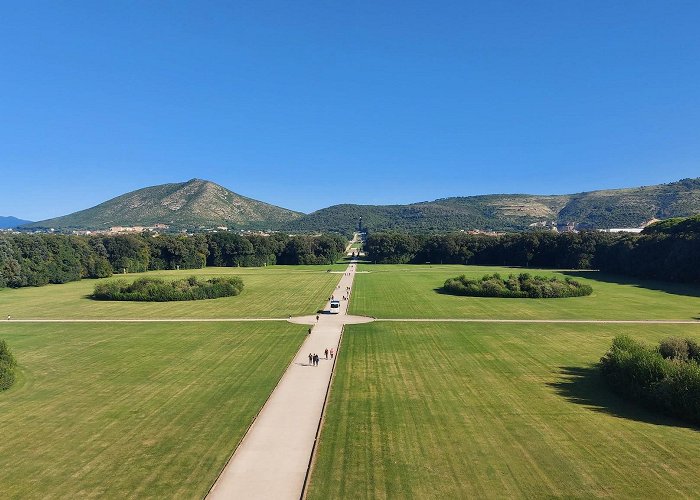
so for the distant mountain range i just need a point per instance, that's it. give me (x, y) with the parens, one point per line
(200, 204)
(613, 208)
(11, 222)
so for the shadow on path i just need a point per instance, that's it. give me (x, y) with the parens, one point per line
(586, 386)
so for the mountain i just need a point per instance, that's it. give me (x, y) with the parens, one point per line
(11, 222)
(631, 207)
(195, 204)
(200, 204)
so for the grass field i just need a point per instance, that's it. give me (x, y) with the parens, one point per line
(410, 292)
(274, 292)
(494, 411)
(131, 411)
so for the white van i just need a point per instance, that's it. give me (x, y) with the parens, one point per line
(335, 306)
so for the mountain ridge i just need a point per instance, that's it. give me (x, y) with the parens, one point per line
(199, 204)
(11, 222)
(601, 209)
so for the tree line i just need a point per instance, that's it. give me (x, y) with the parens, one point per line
(665, 254)
(39, 259)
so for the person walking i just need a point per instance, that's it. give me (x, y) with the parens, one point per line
(311, 359)
(331, 353)
(326, 352)
(317, 318)
(309, 331)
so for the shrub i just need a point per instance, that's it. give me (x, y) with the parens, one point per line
(158, 290)
(668, 383)
(7, 367)
(674, 348)
(522, 286)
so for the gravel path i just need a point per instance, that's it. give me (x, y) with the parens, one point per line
(272, 460)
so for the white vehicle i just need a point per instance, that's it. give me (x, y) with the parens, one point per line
(335, 306)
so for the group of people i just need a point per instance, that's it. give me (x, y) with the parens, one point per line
(345, 297)
(314, 358)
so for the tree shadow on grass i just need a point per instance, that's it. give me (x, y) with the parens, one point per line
(585, 386)
(662, 286)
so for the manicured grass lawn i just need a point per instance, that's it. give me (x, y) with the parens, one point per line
(410, 292)
(133, 410)
(274, 292)
(494, 411)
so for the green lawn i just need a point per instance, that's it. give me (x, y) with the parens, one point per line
(494, 411)
(130, 410)
(274, 292)
(410, 292)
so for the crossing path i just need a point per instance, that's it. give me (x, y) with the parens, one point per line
(273, 458)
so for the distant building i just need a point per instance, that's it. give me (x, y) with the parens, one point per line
(622, 230)
(568, 227)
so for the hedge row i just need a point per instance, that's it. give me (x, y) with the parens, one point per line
(522, 286)
(158, 290)
(7, 367)
(670, 384)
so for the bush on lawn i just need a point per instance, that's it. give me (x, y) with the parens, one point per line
(7, 367)
(158, 290)
(522, 286)
(668, 382)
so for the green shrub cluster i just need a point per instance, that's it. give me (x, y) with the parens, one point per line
(521, 286)
(158, 290)
(665, 378)
(7, 367)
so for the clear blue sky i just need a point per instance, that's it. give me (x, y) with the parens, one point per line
(307, 104)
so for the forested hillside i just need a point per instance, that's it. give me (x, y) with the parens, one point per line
(631, 207)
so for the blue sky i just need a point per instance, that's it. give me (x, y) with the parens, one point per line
(307, 104)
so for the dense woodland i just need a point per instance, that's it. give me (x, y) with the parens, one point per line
(39, 259)
(669, 250)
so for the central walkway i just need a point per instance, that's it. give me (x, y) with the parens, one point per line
(273, 458)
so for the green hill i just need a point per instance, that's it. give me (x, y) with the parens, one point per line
(631, 207)
(195, 204)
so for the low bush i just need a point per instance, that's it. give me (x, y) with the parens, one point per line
(680, 349)
(158, 290)
(668, 381)
(7, 367)
(522, 286)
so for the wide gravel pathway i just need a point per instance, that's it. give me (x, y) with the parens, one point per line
(273, 458)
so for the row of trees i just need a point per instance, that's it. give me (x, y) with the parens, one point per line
(666, 255)
(665, 378)
(39, 259)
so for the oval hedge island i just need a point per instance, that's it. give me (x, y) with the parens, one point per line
(521, 286)
(159, 290)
